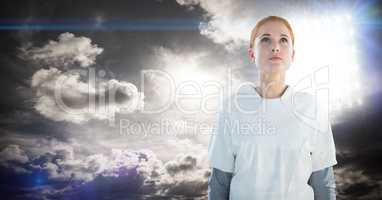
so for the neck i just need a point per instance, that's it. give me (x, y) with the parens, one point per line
(272, 85)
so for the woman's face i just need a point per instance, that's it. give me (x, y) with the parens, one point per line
(273, 50)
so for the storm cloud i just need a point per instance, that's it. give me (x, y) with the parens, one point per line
(68, 89)
(139, 171)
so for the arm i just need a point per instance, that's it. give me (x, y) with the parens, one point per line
(219, 185)
(323, 184)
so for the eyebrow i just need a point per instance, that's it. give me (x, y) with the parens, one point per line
(285, 35)
(267, 34)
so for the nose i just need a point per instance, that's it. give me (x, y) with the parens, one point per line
(275, 49)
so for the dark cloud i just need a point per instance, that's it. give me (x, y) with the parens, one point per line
(354, 183)
(358, 173)
(63, 172)
(185, 164)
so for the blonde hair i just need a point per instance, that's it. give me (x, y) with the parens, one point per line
(267, 19)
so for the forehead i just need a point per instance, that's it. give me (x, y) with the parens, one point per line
(273, 28)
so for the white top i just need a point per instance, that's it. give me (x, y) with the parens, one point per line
(271, 145)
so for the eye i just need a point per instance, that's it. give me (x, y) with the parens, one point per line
(264, 39)
(284, 40)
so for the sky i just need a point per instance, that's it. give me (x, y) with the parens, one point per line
(96, 94)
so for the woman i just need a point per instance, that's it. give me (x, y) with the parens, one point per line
(280, 156)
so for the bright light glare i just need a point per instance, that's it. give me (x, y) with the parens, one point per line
(328, 41)
(188, 77)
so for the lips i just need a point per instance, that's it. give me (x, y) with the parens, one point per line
(275, 58)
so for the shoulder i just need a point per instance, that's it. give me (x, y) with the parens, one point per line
(303, 102)
(312, 109)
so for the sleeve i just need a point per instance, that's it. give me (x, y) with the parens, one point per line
(323, 184)
(219, 185)
(220, 152)
(324, 151)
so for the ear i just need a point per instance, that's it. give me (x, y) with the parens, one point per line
(251, 55)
